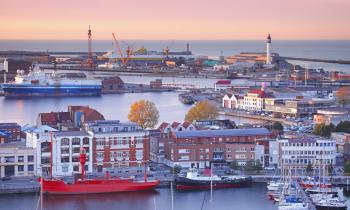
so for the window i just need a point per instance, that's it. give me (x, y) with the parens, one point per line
(65, 141)
(75, 159)
(64, 169)
(30, 158)
(65, 159)
(20, 159)
(99, 155)
(20, 168)
(86, 140)
(76, 141)
(30, 167)
(65, 150)
(115, 129)
(10, 159)
(45, 147)
(76, 168)
(76, 150)
(45, 160)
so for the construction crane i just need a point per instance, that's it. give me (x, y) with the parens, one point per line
(90, 61)
(129, 51)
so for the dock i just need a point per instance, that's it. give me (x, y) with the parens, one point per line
(345, 62)
(257, 117)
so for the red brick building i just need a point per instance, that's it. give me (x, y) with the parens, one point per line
(201, 147)
(118, 145)
(10, 132)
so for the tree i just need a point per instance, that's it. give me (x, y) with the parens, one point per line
(347, 168)
(343, 96)
(258, 166)
(144, 113)
(176, 169)
(309, 168)
(234, 165)
(323, 129)
(343, 126)
(203, 110)
(277, 126)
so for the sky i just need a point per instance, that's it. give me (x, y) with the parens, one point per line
(175, 20)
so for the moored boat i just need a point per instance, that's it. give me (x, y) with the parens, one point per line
(91, 186)
(194, 181)
(39, 83)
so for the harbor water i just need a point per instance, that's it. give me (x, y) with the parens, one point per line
(251, 198)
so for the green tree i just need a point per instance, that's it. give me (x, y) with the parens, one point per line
(234, 165)
(203, 110)
(347, 168)
(277, 126)
(323, 129)
(144, 113)
(176, 169)
(309, 168)
(343, 126)
(258, 166)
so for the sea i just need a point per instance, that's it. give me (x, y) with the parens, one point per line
(322, 49)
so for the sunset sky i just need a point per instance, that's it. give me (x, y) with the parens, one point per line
(175, 20)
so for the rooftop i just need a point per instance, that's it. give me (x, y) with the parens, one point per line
(72, 133)
(219, 133)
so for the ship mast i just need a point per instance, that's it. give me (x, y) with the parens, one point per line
(82, 160)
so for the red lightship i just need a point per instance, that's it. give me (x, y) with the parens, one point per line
(92, 186)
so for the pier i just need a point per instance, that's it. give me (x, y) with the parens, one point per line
(345, 62)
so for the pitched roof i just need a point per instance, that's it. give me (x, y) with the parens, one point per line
(186, 124)
(90, 115)
(223, 82)
(48, 117)
(163, 126)
(220, 133)
(175, 124)
(260, 93)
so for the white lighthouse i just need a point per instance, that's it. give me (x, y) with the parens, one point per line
(268, 52)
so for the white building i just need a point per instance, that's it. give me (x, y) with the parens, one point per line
(65, 150)
(254, 100)
(16, 160)
(232, 101)
(297, 153)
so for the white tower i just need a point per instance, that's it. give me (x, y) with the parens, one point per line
(268, 52)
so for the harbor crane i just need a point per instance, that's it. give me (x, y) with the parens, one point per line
(129, 51)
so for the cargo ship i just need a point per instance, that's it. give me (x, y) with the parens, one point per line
(39, 83)
(194, 181)
(94, 186)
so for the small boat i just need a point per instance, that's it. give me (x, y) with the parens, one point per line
(186, 98)
(331, 204)
(275, 185)
(194, 181)
(318, 190)
(292, 203)
(311, 183)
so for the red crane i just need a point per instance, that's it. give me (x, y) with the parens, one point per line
(123, 59)
(90, 61)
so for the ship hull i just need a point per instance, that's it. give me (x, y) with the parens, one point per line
(25, 91)
(183, 183)
(319, 207)
(58, 187)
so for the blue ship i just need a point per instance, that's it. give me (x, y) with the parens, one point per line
(39, 83)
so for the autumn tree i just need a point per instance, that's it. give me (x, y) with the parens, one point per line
(144, 113)
(343, 96)
(203, 110)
